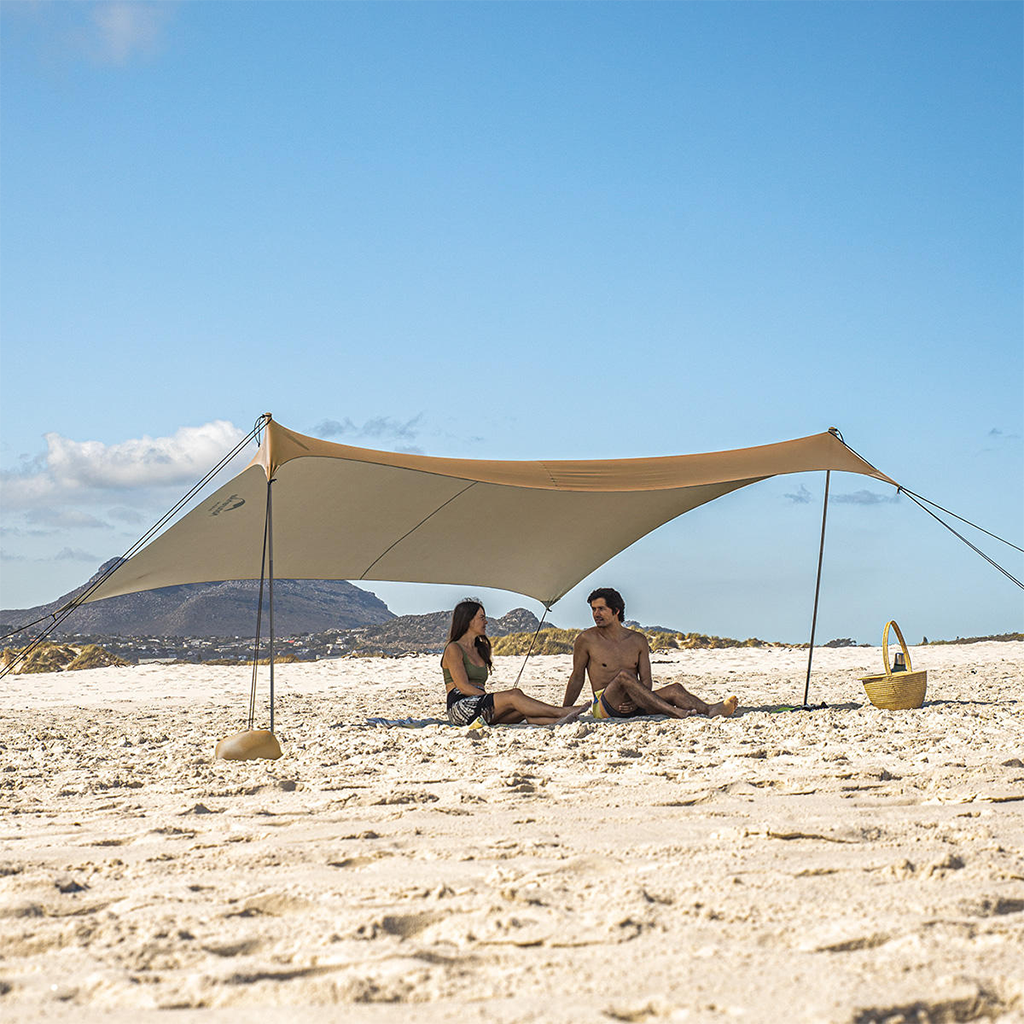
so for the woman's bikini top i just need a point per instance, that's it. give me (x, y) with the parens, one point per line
(477, 674)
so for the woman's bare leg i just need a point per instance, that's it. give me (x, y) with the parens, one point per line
(514, 706)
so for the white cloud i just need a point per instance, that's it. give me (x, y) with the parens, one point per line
(124, 29)
(385, 428)
(1001, 435)
(65, 518)
(75, 555)
(126, 515)
(106, 32)
(866, 497)
(90, 470)
(863, 497)
(801, 497)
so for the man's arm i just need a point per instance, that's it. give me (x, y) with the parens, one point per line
(580, 660)
(643, 663)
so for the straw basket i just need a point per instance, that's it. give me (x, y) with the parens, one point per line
(895, 691)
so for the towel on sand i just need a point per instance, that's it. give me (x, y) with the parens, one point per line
(406, 723)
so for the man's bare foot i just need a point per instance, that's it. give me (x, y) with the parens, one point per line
(725, 708)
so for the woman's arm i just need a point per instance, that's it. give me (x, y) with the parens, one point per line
(452, 660)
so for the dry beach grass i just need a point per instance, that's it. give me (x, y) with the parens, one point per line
(848, 865)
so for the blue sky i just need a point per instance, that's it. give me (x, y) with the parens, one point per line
(584, 230)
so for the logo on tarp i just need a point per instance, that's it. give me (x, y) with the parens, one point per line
(229, 504)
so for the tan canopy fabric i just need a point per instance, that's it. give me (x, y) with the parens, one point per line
(535, 528)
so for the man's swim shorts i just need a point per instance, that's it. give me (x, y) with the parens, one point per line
(602, 709)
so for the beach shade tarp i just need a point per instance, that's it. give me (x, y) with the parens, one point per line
(535, 528)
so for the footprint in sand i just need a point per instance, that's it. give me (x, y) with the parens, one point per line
(975, 1004)
(271, 904)
(990, 906)
(246, 947)
(940, 868)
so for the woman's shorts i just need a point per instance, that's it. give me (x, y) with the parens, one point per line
(464, 711)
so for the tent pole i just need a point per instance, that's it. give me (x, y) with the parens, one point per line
(270, 593)
(817, 587)
(547, 608)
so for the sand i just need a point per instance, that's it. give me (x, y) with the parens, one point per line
(847, 865)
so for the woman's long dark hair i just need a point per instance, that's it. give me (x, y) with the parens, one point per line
(463, 615)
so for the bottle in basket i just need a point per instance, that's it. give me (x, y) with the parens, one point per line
(901, 688)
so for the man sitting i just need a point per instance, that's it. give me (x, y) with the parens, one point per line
(618, 662)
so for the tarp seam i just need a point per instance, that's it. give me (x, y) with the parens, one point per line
(362, 575)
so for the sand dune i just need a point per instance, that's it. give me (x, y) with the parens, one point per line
(847, 865)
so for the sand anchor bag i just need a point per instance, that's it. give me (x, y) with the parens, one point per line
(895, 691)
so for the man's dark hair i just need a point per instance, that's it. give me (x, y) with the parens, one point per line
(612, 598)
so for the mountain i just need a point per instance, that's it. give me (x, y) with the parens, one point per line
(633, 624)
(214, 609)
(427, 633)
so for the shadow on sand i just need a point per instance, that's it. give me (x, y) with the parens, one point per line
(777, 709)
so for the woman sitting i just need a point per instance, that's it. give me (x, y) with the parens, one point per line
(466, 664)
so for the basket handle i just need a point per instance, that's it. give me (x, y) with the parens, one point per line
(885, 646)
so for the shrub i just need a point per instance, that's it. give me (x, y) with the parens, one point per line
(549, 641)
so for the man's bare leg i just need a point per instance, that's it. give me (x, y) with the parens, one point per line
(625, 688)
(724, 708)
(677, 694)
